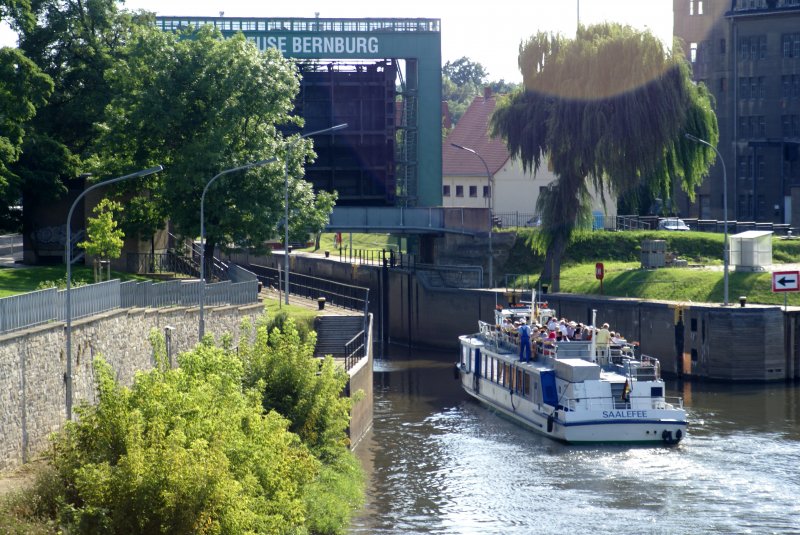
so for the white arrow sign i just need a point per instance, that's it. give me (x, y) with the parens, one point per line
(786, 281)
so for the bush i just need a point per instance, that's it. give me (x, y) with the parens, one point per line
(182, 451)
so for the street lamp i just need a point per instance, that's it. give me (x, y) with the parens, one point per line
(489, 180)
(202, 326)
(68, 257)
(286, 200)
(726, 247)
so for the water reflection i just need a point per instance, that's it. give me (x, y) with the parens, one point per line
(441, 463)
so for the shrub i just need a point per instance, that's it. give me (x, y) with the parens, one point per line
(182, 451)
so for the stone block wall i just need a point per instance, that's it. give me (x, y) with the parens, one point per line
(33, 365)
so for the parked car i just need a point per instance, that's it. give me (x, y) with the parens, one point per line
(672, 223)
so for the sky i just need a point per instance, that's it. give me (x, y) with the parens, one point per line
(488, 33)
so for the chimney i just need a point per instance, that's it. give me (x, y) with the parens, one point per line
(487, 92)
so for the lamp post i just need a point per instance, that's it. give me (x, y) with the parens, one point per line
(68, 257)
(286, 201)
(491, 197)
(726, 247)
(202, 325)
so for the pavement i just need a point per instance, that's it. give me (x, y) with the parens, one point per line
(11, 260)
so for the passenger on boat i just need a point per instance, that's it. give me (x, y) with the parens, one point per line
(603, 337)
(578, 332)
(524, 331)
(552, 325)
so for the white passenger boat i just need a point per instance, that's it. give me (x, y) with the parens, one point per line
(572, 391)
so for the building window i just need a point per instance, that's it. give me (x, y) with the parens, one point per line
(722, 46)
(691, 7)
(486, 192)
(445, 190)
(742, 162)
(744, 48)
(722, 85)
(760, 167)
(744, 88)
(693, 52)
(762, 46)
(473, 191)
(787, 45)
(786, 86)
(459, 191)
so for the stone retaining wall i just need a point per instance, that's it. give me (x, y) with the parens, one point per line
(33, 365)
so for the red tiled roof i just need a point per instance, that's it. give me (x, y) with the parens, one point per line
(471, 131)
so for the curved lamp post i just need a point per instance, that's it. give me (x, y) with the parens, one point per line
(489, 180)
(286, 201)
(726, 247)
(202, 325)
(68, 257)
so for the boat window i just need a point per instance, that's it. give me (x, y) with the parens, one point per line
(656, 392)
(464, 353)
(494, 370)
(501, 376)
(526, 385)
(483, 365)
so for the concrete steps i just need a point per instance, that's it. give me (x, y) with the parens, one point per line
(333, 332)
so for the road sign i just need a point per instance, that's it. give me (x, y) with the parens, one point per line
(786, 281)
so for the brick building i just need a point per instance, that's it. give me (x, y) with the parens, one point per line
(748, 54)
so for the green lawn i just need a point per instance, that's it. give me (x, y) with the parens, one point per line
(375, 242)
(20, 280)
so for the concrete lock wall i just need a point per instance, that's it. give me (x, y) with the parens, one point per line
(695, 339)
(361, 381)
(33, 366)
(753, 343)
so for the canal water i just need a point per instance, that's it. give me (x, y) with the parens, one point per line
(439, 463)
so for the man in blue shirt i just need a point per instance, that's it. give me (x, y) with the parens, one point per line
(524, 331)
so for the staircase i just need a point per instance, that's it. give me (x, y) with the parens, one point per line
(333, 332)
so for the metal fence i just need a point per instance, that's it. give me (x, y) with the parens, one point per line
(336, 293)
(42, 306)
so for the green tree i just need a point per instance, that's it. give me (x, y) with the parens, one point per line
(105, 238)
(465, 72)
(182, 451)
(75, 43)
(23, 90)
(609, 108)
(201, 104)
(308, 391)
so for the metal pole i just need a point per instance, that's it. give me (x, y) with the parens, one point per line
(68, 257)
(726, 246)
(286, 201)
(489, 182)
(202, 324)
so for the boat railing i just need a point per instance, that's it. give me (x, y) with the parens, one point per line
(616, 403)
(495, 337)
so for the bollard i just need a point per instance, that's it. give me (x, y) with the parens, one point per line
(321, 303)
(742, 300)
(327, 254)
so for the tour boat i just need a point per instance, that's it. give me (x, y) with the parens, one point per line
(571, 391)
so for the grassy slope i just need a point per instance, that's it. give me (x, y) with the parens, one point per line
(20, 280)
(619, 251)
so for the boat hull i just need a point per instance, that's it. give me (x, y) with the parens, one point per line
(589, 429)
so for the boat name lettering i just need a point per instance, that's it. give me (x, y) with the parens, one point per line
(624, 414)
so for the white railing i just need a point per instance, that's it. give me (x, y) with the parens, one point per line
(35, 308)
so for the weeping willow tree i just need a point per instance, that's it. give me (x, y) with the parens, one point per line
(609, 110)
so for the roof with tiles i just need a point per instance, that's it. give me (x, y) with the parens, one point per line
(471, 131)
